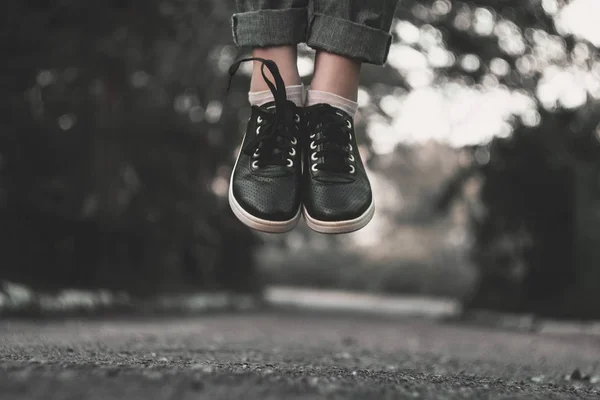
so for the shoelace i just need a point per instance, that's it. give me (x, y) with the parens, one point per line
(330, 143)
(274, 142)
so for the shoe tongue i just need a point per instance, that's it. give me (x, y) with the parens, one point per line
(273, 170)
(288, 111)
(270, 106)
(331, 176)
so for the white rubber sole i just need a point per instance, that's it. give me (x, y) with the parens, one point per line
(259, 224)
(335, 227)
(256, 223)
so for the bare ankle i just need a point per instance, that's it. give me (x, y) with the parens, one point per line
(336, 74)
(286, 58)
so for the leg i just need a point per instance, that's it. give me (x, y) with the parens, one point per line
(338, 197)
(356, 29)
(345, 34)
(272, 28)
(264, 192)
(286, 58)
(336, 74)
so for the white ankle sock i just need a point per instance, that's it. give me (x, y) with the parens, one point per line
(317, 97)
(294, 93)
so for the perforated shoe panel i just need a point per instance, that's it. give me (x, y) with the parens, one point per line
(270, 193)
(334, 196)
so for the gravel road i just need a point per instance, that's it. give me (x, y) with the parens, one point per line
(289, 355)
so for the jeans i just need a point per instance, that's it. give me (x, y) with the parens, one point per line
(356, 29)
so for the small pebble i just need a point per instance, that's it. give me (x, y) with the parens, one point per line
(208, 369)
(537, 379)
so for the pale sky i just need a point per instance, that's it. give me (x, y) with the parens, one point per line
(458, 115)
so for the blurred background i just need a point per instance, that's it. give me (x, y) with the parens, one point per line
(482, 137)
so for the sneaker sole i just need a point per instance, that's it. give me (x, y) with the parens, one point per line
(335, 227)
(259, 224)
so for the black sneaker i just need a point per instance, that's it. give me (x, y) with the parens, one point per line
(264, 192)
(337, 193)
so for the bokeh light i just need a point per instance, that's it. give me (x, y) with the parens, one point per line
(456, 112)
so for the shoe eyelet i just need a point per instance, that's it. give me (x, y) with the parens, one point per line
(349, 124)
(255, 164)
(258, 130)
(351, 158)
(294, 141)
(314, 157)
(352, 169)
(350, 136)
(313, 136)
(313, 145)
(314, 168)
(350, 148)
(256, 153)
(297, 118)
(290, 162)
(292, 152)
(259, 120)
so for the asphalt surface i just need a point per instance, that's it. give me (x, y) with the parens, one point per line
(289, 355)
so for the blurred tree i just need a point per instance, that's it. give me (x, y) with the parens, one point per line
(117, 126)
(117, 141)
(530, 235)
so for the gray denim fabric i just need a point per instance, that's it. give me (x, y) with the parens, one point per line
(353, 28)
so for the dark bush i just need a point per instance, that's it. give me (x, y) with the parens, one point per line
(117, 123)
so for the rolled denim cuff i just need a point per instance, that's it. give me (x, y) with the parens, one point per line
(349, 39)
(265, 28)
